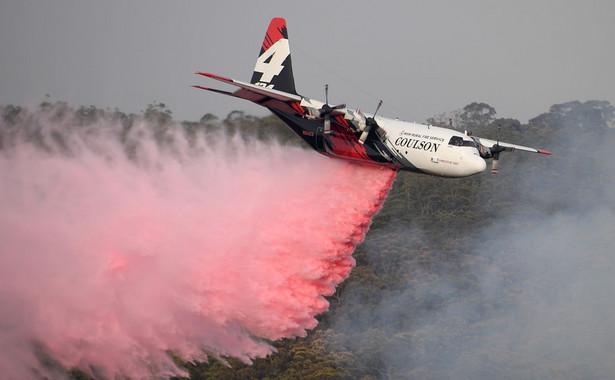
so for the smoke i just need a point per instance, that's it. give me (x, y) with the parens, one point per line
(532, 295)
(123, 242)
(539, 305)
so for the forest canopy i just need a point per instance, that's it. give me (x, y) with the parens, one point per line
(505, 276)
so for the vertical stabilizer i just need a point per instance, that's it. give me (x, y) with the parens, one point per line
(273, 67)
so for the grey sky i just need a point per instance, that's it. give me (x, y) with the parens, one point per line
(421, 57)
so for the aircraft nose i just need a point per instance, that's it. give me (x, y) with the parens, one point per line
(478, 164)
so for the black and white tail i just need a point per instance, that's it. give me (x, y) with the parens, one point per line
(273, 67)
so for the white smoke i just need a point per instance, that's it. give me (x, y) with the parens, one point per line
(532, 296)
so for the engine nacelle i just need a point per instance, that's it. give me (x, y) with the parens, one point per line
(356, 118)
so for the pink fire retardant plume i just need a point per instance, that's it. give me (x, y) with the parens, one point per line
(109, 263)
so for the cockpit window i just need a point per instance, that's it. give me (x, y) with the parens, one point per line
(458, 141)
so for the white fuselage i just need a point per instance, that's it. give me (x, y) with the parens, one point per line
(433, 150)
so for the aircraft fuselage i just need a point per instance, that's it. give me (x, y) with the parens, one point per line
(406, 146)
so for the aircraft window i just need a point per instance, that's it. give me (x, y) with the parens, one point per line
(458, 141)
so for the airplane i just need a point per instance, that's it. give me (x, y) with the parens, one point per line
(338, 131)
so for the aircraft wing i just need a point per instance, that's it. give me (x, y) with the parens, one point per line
(267, 97)
(507, 146)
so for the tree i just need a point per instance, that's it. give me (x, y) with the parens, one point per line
(577, 115)
(209, 118)
(158, 113)
(477, 114)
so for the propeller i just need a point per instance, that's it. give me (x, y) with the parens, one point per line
(370, 122)
(326, 110)
(495, 153)
(492, 151)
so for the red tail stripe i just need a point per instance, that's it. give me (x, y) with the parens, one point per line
(276, 31)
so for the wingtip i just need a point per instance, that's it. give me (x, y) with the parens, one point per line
(544, 152)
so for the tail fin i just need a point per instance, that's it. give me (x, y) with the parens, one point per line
(273, 67)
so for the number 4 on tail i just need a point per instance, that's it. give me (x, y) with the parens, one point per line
(270, 63)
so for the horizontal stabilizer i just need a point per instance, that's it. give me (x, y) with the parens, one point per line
(214, 90)
(264, 91)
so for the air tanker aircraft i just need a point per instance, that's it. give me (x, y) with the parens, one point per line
(344, 133)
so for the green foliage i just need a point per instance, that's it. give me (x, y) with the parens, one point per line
(158, 114)
(425, 236)
(593, 114)
(477, 114)
(296, 359)
(158, 118)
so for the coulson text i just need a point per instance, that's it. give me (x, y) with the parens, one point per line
(417, 144)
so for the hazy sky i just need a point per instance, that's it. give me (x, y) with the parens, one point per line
(421, 57)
